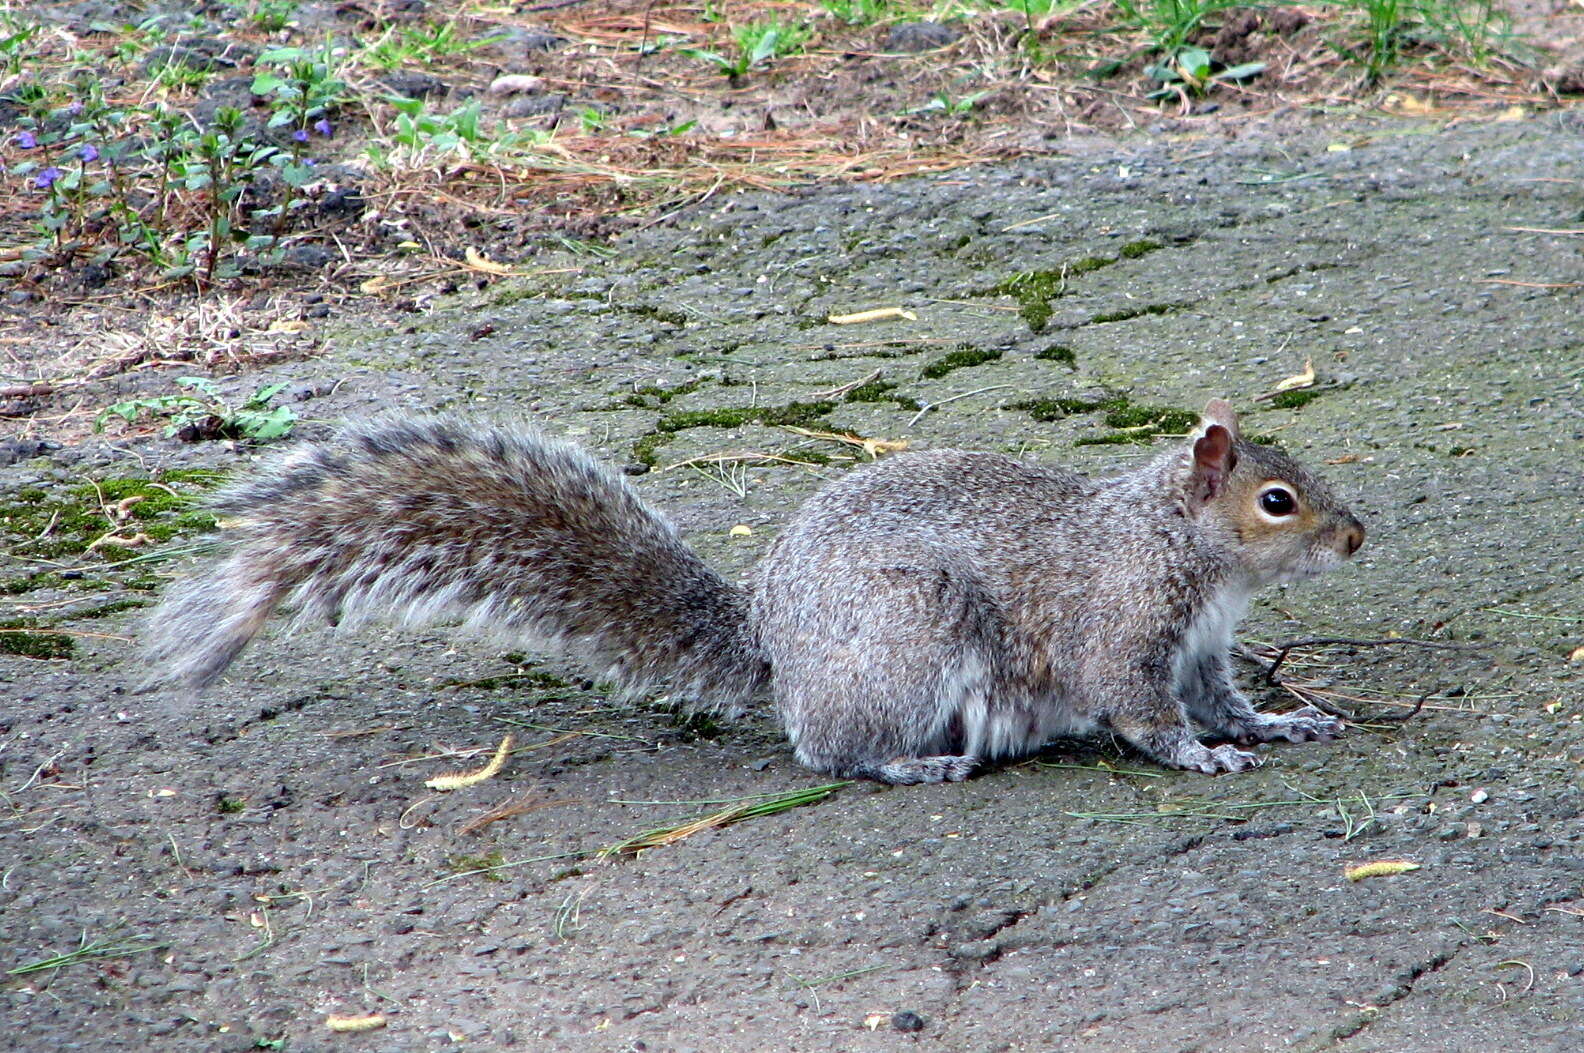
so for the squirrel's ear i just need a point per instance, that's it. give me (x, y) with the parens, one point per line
(1213, 461)
(1219, 411)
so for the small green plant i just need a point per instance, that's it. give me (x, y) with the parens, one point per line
(419, 135)
(422, 45)
(757, 43)
(303, 87)
(1383, 35)
(1193, 71)
(861, 12)
(1170, 23)
(591, 120)
(200, 412)
(943, 103)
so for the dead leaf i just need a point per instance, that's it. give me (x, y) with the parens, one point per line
(1305, 379)
(1578, 655)
(288, 325)
(480, 262)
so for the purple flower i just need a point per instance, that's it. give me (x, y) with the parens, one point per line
(46, 179)
(74, 109)
(322, 126)
(27, 140)
(300, 136)
(89, 153)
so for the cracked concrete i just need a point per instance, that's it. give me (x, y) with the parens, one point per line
(1084, 901)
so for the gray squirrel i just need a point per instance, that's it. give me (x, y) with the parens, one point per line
(917, 618)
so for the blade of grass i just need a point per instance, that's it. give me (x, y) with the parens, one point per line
(672, 833)
(89, 951)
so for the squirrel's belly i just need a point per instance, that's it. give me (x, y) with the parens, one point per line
(992, 728)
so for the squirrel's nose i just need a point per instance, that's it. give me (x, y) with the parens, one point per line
(1353, 536)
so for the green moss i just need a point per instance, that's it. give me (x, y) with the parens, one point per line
(880, 391)
(1143, 247)
(965, 356)
(1054, 409)
(794, 413)
(642, 396)
(646, 449)
(1296, 399)
(1087, 264)
(1131, 312)
(230, 805)
(21, 636)
(129, 603)
(1123, 414)
(1059, 353)
(1133, 424)
(38, 526)
(464, 864)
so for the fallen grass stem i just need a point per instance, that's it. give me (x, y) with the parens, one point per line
(672, 833)
(94, 950)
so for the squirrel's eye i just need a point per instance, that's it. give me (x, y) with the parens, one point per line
(1278, 502)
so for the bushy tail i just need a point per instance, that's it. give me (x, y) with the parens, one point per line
(418, 520)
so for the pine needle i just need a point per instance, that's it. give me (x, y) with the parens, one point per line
(666, 835)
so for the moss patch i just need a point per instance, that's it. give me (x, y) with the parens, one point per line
(22, 636)
(1143, 247)
(464, 864)
(1059, 353)
(880, 391)
(1132, 423)
(800, 414)
(1132, 312)
(964, 357)
(652, 396)
(1296, 399)
(37, 526)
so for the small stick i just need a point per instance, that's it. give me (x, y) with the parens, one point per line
(879, 314)
(1283, 650)
(841, 389)
(936, 405)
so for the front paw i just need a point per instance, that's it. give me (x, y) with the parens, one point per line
(1301, 725)
(1213, 760)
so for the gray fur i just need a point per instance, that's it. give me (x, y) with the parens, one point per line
(917, 617)
(415, 521)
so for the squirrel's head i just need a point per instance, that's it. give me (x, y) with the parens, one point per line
(1283, 522)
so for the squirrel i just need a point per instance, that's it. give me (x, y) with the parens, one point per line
(917, 618)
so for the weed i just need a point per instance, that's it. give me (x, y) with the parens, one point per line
(860, 12)
(422, 137)
(202, 413)
(1170, 23)
(756, 44)
(1191, 70)
(420, 45)
(1132, 423)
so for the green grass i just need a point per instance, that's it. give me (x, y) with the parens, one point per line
(92, 951)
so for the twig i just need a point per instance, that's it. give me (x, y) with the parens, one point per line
(1283, 650)
(953, 398)
(841, 389)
